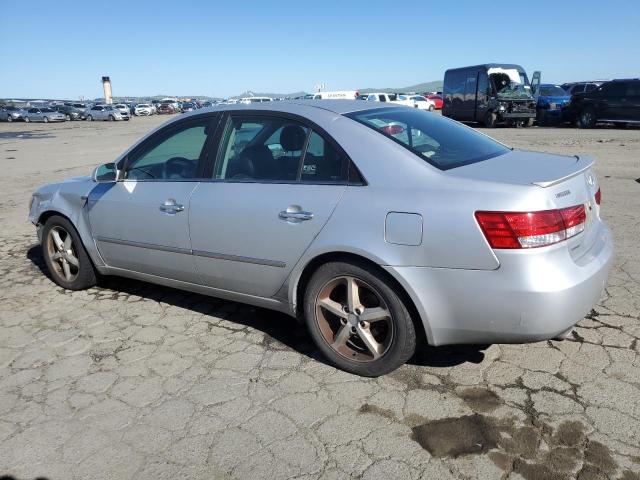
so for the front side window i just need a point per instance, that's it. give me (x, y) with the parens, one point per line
(178, 154)
(271, 149)
(443, 143)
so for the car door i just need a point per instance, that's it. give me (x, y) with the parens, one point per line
(609, 100)
(631, 102)
(37, 115)
(275, 184)
(141, 222)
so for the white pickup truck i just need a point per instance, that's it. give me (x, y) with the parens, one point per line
(415, 101)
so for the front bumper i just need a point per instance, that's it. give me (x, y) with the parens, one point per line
(534, 295)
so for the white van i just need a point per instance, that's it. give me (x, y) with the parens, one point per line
(344, 94)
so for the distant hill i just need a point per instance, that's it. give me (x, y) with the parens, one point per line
(435, 86)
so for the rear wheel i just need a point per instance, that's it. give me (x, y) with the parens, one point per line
(65, 256)
(89, 118)
(46, 119)
(358, 319)
(490, 119)
(587, 118)
(432, 108)
(9, 118)
(111, 118)
(27, 119)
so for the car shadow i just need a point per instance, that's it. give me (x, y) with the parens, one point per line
(277, 327)
(25, 135)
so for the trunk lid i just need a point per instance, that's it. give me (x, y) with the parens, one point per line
(566, 181)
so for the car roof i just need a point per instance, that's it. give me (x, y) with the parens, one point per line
(300, 106)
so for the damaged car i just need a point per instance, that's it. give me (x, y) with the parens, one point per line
(490, 94)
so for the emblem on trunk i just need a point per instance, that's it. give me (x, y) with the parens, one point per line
(563, 193)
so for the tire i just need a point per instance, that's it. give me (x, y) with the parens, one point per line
(541, 117)
(490, 119)
(89, 118)
(341, 336)
(27, 119)
(45, 119)
(67, 118)
(55, 250)
(587, 118)
(111, 119)
(9, 118)
(431, 108)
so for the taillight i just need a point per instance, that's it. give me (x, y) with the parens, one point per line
(598, 196)
(531, 229)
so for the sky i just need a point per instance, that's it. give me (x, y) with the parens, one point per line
(61, 49)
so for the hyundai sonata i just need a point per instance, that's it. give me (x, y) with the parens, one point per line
(375, 225)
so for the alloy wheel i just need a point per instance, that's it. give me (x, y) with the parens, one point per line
(353, 319)
(63, 254)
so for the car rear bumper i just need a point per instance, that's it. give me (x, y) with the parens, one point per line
(534, 295)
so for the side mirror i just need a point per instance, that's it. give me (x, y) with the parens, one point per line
(105, 173)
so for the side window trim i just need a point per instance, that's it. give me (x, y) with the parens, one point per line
(165, 133)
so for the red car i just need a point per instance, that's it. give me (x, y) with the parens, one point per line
(437, 99)
(166, 108)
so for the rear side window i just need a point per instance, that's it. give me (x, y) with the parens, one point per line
(272, 149)
(439, 141)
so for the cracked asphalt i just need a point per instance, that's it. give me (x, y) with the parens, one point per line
(130, 380)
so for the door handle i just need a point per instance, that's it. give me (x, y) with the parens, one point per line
(295, 216)
(170, 206)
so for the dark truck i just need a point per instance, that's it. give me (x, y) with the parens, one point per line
(490, 94)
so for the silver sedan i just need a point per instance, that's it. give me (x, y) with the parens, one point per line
(105, 112)
(45, 115)
(376, 226)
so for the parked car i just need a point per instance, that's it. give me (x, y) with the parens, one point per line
(378, 225)
(616, 101)
(143, 110)
(552, 104)
(10, 113)
(580, 87)
(435, 98)
(165, 108)
(70, 112)
(45, 115)
(416, 101)
(490, 94)
(105, 112)
(382, 97)
(123, 108)
(188, 107)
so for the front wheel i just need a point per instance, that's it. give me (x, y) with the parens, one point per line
(490, 119)
(27, 119)
(45, 119)
(89, 118)
(9, 118)
(111, 118)
(358, 319)
(587, 118)
(65, 256)
(67, 118)
(432, 108)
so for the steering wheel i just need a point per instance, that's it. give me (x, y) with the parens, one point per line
(178, 167)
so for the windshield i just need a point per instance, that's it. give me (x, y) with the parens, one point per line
(509, 82)
(443, 143)
(552, 91)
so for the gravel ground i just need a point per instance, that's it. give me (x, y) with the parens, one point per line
(131, 380)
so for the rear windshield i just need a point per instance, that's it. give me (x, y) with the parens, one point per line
(442, 142)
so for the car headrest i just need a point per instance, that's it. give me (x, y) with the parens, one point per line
(292, 138)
